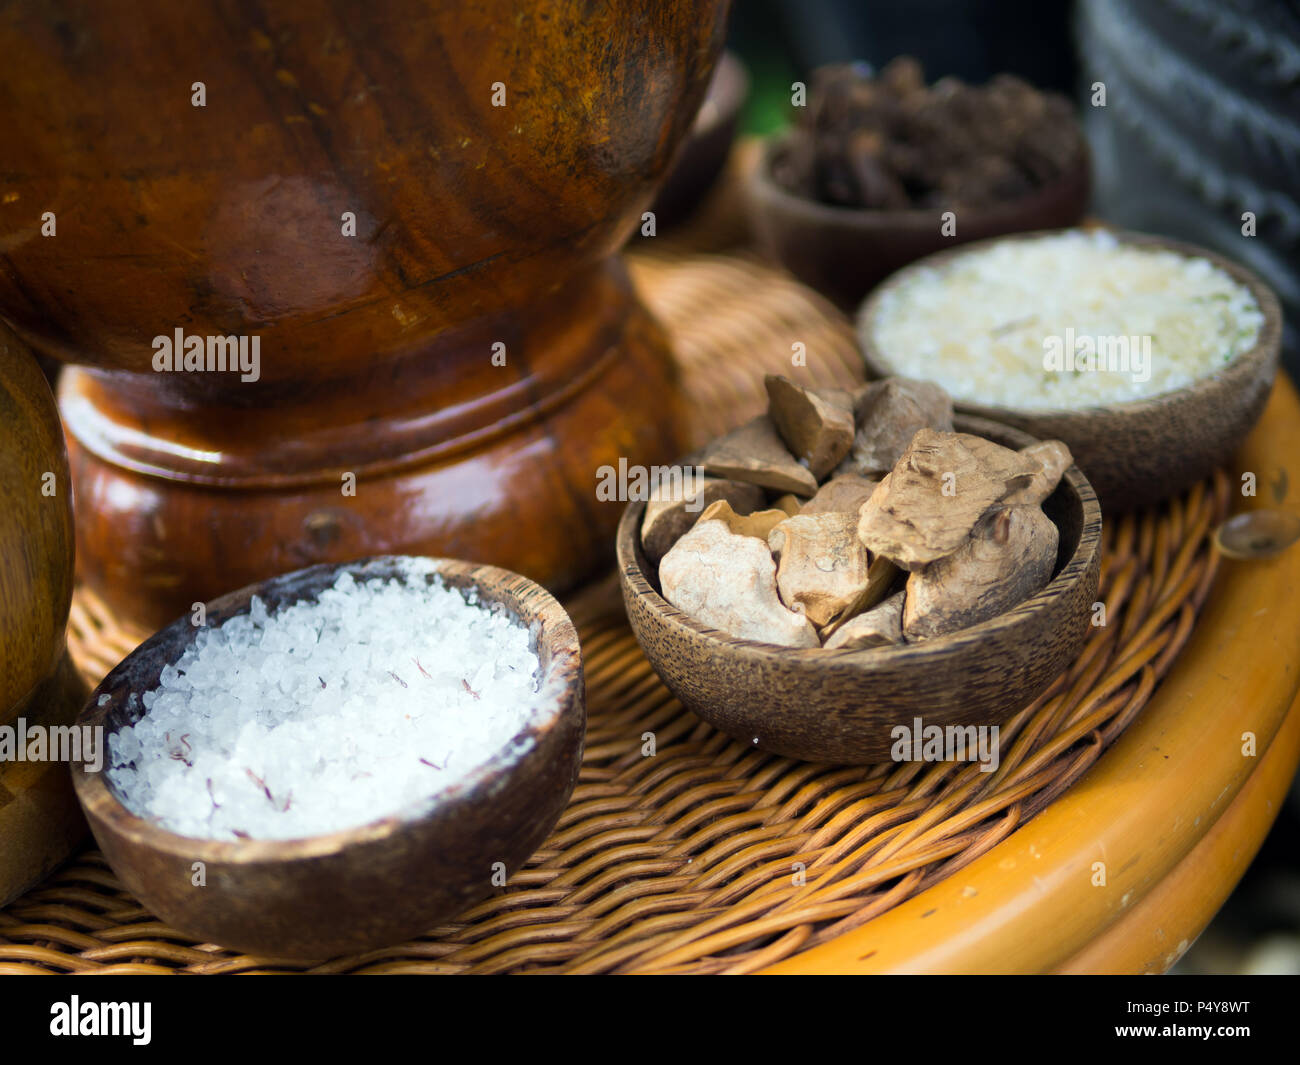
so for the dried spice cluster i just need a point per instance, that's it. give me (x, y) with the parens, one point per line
(852, 520)
(891, 142)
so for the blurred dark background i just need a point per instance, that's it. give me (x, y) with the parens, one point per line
(1202, 114)
(1201, 124)
(784, 40)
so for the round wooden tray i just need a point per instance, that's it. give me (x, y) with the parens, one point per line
(709, 856)
(1175, 811)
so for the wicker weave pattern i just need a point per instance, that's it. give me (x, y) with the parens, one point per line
(711, 856)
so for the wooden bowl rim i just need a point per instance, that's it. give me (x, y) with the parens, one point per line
(633, 563)
(772, 197)
(727, 91)
(1265, 351)
(562, 676)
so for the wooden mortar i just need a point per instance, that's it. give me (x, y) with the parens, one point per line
(39, 688)
(479, 230)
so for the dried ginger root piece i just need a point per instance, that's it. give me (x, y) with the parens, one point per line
(1056, 459)
(728, 582)
(928, 504)
(821, 564)
(790, 503)
(843, 493)
(881, 575)
(878, 627)
(1009, 556)
(666, 519)
(888, 414)
(817, 426)
(759, 523)
(755, 454)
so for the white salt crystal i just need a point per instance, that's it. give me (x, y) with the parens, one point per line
(257, 610)
(330, 713)
(981, 323)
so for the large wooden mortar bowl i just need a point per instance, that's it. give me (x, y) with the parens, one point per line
(493, 155)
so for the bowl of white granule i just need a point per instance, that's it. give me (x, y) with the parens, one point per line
(1150, 358)
(340, 758)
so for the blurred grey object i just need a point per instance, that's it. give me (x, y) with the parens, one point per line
(1201, 124)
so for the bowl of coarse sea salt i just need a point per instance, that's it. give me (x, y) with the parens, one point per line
(1151, 359)
(340, 758)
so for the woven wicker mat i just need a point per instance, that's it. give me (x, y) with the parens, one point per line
(711, 856)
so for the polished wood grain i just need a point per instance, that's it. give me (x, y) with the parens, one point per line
(36, 540)
(1138, 453)
(377, 884)
(1153, 934)
(840, 706)
(227, 218)
(1029, 904)
(39, 821)
(476, 224)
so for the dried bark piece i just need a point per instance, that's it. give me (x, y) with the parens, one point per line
(1009, 557)
(755, 454)
(790, 503)
(817, 427)
(843, 494)
(880, 578)
(821, 564)
(758, 524)
(928, 504)
(728, 582)
(878, 627)
(1056, 459)
(903, 75)
(888, 414)
(890, 141)
(668, 519)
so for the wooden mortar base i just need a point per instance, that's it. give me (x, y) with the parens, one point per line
(182, 495)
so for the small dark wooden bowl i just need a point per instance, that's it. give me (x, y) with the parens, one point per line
(843, 252)
(365, 887)
(1141, 452)
(39, 820)
(839, 706)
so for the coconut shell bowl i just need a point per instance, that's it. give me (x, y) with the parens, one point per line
(414, 209)
(843, 252)
(1134, 453)
(840, 706)
(365, 887)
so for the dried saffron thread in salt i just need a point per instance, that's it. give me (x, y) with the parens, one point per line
(362, 703)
